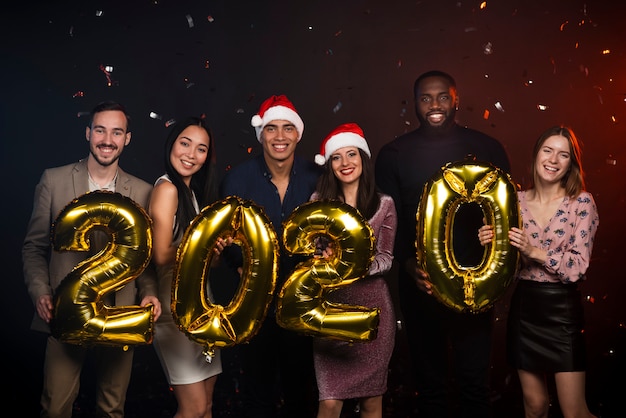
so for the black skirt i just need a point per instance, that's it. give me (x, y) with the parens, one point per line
(545, 328)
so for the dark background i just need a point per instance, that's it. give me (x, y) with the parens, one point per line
(338, 61)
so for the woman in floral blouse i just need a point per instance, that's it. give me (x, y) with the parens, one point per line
(546, 319)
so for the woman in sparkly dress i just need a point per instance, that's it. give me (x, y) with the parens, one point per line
(357, 370)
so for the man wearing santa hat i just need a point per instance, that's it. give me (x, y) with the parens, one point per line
(278, 181)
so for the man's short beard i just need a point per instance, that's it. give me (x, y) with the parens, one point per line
(103, 163)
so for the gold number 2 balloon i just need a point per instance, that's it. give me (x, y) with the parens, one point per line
(301, 304)
(467, 289)
(80, 313)
(213, 325)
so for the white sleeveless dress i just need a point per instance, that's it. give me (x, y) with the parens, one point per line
(181, 358)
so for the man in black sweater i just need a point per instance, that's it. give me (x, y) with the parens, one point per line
(403, 167)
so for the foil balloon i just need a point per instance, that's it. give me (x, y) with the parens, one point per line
(80, 313)
(213, 325)
(301, 304)
(475, 288)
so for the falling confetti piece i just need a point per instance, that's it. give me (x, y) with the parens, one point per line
(107, 72)
(210, 18)
(154, 115)
(483, 5)
(542, 107)
(584, 69)
(470, 29)
(488, 48)
(189, 20)
(240, 110)
(337, 107)
(610, 160)
(170, 123)
(98, 13)
(190, 84)
(399, 63)
(246, 148)
(613, 119)
(486, 114)
(79, 94)
(498, 106)
(329, 52)
(81, 114)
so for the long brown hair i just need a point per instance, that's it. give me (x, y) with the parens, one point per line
(573, 181)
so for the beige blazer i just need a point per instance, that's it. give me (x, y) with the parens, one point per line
(45, 268)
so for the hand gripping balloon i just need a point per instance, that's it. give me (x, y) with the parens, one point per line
(80, 313)
(467, 289)
(301, 303)
(213, 325)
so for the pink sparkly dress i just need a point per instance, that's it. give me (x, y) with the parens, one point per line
(355, 370)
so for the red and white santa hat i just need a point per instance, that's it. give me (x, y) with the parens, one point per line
(277, 108)
(346, 135)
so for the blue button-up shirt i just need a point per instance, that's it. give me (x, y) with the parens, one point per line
(251, 180)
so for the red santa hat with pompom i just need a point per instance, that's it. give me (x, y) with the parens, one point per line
(346, 135)
(277, 108)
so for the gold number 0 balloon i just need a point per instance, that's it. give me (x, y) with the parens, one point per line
(213, 325)
(80, 314)
(301, 304)
(467, 289)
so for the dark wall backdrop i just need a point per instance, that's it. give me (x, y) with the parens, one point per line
(338, 61)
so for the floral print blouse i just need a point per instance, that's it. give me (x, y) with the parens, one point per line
(567, 239)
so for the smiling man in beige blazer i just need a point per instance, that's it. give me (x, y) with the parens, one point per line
(107, 135)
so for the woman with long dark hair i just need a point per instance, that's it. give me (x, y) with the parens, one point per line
(357, 370)
(177, 197)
